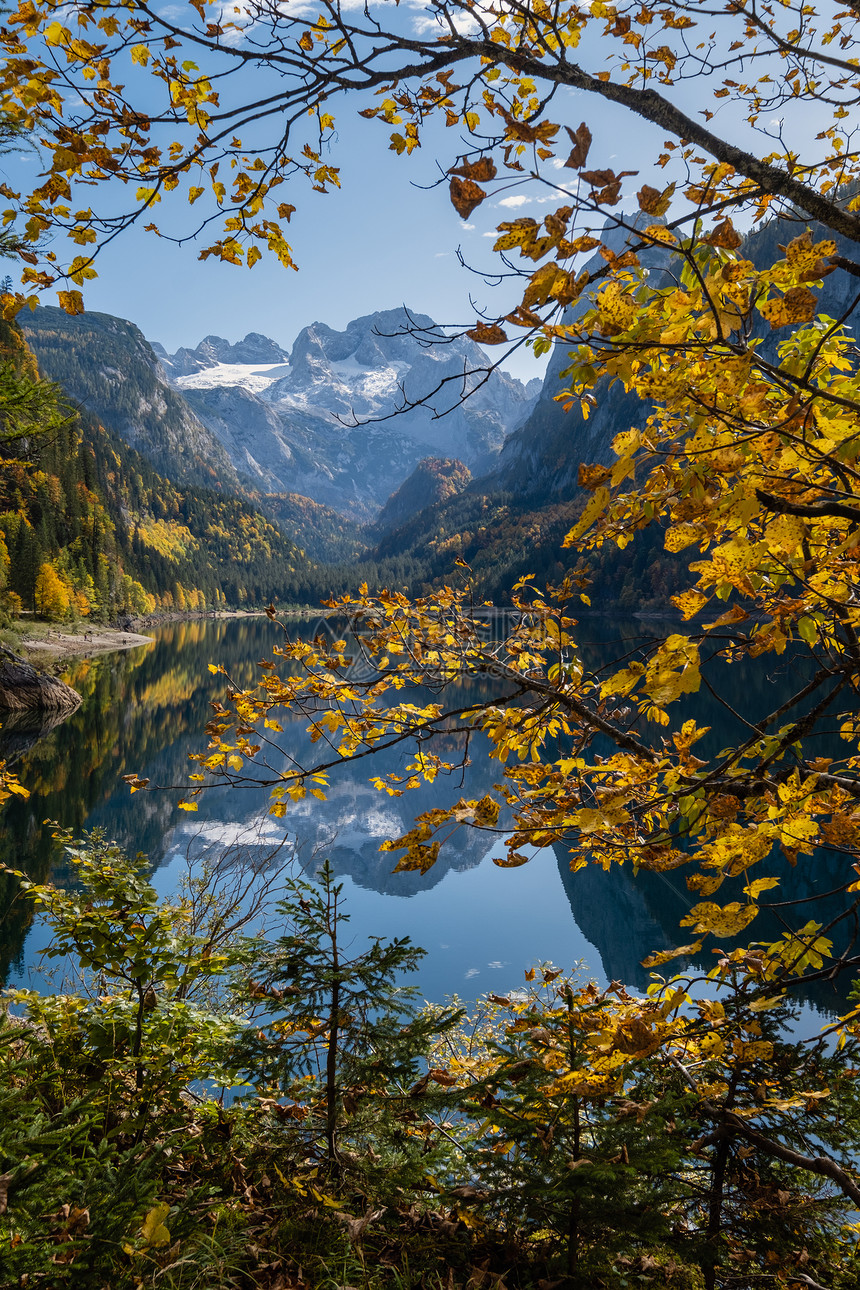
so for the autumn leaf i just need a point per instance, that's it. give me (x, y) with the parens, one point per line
(725, 235)
(581, 140)
(479, 171)
(71, 301)
(798, 305)
(726, 921)
(592, 477)
(653, 201)
(153, 1229)
(488, 334)
(659, 957)
(465, 196)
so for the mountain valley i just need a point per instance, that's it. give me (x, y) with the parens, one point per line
(346, 416)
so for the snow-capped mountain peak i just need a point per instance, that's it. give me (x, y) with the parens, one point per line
(347, 415)
(249, 376)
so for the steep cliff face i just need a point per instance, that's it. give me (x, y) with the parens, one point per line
(107, 365)
(353, 412)
(541, 459)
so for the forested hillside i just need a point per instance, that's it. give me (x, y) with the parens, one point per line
(106, 365)
(516, 517)
(88, 527)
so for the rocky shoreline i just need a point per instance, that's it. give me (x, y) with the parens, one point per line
(58, 644)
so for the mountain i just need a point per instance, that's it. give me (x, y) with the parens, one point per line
(214, 351)
(513, 519)
(106, 365)
(87, 525)
(541, 458)
(323, 424)
(322, 533)
(112, 372)
(433, 480)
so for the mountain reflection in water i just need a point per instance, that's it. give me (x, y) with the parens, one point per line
(145, 710)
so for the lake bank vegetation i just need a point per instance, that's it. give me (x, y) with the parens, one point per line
(374, 1141)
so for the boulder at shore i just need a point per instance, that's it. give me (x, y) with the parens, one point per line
(23, 688)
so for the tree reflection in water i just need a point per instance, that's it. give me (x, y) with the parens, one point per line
(144, 710)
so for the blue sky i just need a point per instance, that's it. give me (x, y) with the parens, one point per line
(387, 238)
(379, 242)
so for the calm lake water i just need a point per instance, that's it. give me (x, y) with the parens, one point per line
(145, 710)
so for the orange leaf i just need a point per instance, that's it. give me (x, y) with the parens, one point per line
(654, 202)
(488, 334)
(481, 170)
(592, 477)
(581, 140)
(725, 235)
(465, 196)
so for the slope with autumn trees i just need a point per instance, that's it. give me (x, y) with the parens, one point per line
(518, 514)
(89, 528)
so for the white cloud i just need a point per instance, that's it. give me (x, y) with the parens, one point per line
(493, 234)
(440, 255)
(473, 972)
(520, 200)
(469, 228)
(426, 25)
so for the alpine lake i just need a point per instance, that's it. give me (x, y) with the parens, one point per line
(145, 710)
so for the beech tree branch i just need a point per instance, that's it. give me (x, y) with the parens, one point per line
(821, 1165)
(653, 107)
(809, 510)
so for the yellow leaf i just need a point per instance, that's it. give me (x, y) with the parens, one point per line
(689, 602)
(798, 305)
(595, 507)
(728, 921)
(681, 535)
(153, 1229)
(755, 889)
(71, 301)
(664, 956)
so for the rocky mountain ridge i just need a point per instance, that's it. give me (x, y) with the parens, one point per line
(347, 415)
(215, 350)
(107, 366)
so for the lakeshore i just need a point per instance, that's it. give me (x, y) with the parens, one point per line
(43, 645)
